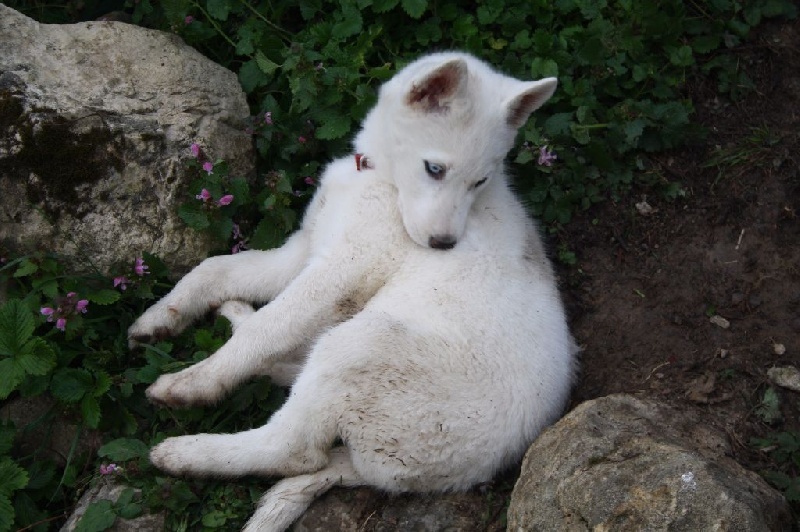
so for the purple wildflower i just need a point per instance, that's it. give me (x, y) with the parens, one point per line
(301, 139)
(109, 469)
(48, 311)
(195, 147)
(309, 180)
(225, 200)
(204, 195)
(61, 324)
(208, 167)
(81, 305)
(546, 157)
(188, 20)
(140, 267)
(121, 281)
(268, 118)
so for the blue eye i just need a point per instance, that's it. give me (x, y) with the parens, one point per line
(435, 170)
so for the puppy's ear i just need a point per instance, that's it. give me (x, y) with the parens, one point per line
(435, 90)
(520, 106)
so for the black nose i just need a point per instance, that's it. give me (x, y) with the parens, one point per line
(442, 242)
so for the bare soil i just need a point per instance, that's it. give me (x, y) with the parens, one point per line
(646, 286)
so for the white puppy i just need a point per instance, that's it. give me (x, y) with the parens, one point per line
(415, 313)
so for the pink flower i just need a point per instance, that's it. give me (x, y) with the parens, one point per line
(47, 311)
(140, 267)
(204, 195)
(546, 157)
(301, 140)
(309, 180)
(208, 167)
(189, 19)
(195, 150)
(225, 200)
(237, 247)
(61, 324)
(70, 295)
(121, 281)
(81, 305)
(268, 118)
(109, 469)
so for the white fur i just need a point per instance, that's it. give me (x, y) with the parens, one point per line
(435, 367)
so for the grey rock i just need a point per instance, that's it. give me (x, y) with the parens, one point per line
(96, 120)
(621, 463)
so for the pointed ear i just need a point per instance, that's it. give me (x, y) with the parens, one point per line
(434, 91)
(520, 107)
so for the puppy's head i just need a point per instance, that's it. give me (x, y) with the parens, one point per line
(442, 128)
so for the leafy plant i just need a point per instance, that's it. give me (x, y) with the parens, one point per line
(784, 449)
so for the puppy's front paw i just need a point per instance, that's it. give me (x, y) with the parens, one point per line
(159, 322)
(176, 456)
(185, 388)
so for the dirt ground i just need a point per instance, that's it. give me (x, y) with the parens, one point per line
(646, 285)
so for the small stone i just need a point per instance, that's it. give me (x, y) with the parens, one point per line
(785, 377)
(644, 208)
(719, 321)
(723, 353)
(779, 349)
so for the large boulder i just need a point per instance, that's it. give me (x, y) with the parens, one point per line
(96, 122)
(621, 463)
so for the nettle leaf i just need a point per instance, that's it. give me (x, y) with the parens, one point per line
(104, 297)
(99, 516)
(16, 327)
(265, 64)
(219, 9)
(251, 76)
(71, 384)
(194, 216)
(415, 8)
(334, 127)
(26, 268)
(350, 25)
(124, 449)
(12, 476)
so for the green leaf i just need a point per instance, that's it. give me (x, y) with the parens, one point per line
(104, 297)
(251, 77)
(71, 384)
(124, 449)
(11, 376)
(26, 268)
(351, 24)
(6, 513)
(99, 516)
(12, 476)
(384, 6)
(194, 216)
(214, 519)
(7, 432)
(266, 65)
(415, 8)
(16, 327)
(90, 410)
(38, 358)
(219, 9)
(334, 127)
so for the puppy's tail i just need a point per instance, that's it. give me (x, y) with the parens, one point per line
(289, 498)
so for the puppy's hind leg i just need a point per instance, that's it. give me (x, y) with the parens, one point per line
(290, 497)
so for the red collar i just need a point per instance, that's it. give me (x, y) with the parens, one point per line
(363, 162)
